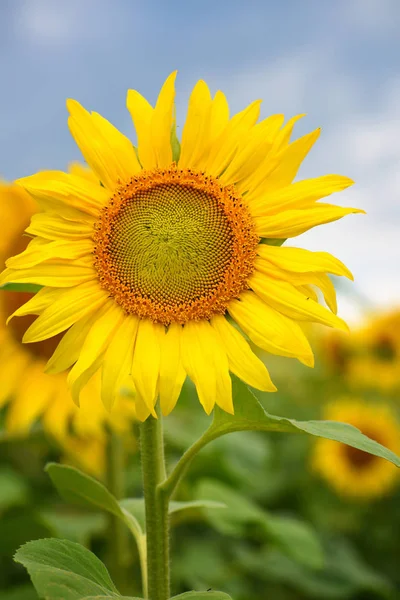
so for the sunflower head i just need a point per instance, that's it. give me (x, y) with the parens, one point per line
(165, 261)
(352, 472)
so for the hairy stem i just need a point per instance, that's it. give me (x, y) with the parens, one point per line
(156, 503)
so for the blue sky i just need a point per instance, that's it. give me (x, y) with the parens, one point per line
(337, 61)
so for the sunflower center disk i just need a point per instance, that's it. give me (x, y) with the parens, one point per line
(173, 245)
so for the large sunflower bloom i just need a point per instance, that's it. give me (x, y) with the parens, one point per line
(28, 393)
(352, 472)
(159, 268)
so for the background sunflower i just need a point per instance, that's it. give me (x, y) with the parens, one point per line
(30, 395)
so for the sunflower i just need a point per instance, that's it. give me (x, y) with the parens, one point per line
(167, 264)
(352, 472)
(27, 391)
(370, 357)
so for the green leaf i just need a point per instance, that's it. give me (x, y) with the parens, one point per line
(210, 595)
(135, 507)
(64, 569)
(250, 415)
(20, 592)
(294, 537)
(343, 576)
(273, 241)
(110, 598)
(175, 506)
(30, 288)
(79, 488)
(13, 489)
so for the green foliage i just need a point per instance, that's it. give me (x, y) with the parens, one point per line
(64, 569)
(13, 489)
(30, 288)
(79, 488)
(250, 415)
(294, 537)
(210, 595)
(273, 241)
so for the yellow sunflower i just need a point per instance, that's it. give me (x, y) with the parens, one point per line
(161, 267)
(370, 357)
(352, 472)
(30, 393)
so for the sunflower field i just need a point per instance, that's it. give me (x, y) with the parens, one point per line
(199, 316)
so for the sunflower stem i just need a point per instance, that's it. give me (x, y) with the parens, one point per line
(156, 503)
(118, 542)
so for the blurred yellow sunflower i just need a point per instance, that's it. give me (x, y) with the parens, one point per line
(352, 472)
(29, 392)
(370, 357)
(158, 268)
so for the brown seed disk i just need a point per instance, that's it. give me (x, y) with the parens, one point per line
(173, 245)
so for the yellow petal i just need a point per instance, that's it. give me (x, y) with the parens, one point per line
(255, 148)
(30, 401)
(282, 138)
(13, 365)
(280, 168)
(195, 128)
(219, 117)
(242, 361)
(76, 168)
(70, 307)
(172, 373)
(206, 363)
(327, 288)
(69, 347)
(55, 227)
(77, 384)
(291, 223)
(146, 361)
(52, 274)
(106, 150)
(225, 147)
(301, 194)
(302, 281)
(37, 304)
(45, 250)
(62, 190)
(142, 411)
(98, 336)
(308, 292)
(290, 161)
(285, 298)
(161, 122)
(270, 330)
(57, 415)
(122, 147)
(299, 260)
(142, 113)
(118, 359)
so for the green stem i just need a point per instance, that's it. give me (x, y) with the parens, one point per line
(169, 485)
(156, 503)
(118, 543)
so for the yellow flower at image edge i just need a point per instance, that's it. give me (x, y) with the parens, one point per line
(30, 394)
(370, 357)
(352, 472)
(156, 269)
